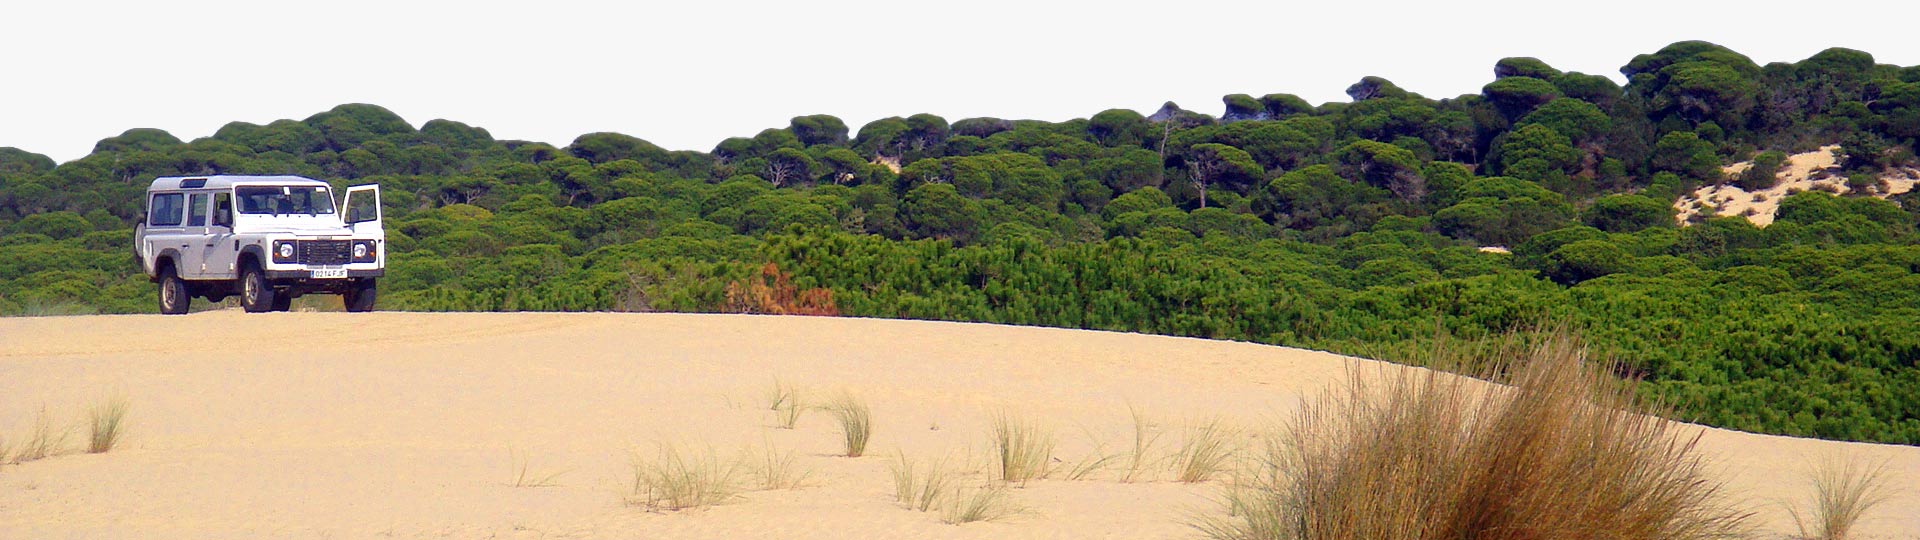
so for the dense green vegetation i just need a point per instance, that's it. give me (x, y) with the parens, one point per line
(1350, 227)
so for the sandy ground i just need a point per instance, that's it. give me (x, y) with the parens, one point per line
(393, 425)
(1802, 172)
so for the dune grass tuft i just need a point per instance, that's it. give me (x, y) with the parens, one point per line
(856, 423)
(107, 420)
(1145, 435)
(1086, 467)
(42, 442)
(1562, 452)
(1023, 447)
(984, 503)
(788, 412)
(785, 400)
(774, 469)
(1207, 450)
(673, 480)
(918, 488)
(1844, 490)
(525, 476)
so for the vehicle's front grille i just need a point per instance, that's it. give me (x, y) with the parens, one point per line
(323, 251)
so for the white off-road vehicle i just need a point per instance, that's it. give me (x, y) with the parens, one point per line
(268, 239)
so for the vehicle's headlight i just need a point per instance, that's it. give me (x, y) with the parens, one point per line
(283, 251)
(365, 251)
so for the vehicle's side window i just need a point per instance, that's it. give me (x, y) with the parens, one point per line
(222, 210)
(165, 210)
(197, 210)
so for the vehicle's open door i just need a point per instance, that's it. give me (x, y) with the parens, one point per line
(362, 209)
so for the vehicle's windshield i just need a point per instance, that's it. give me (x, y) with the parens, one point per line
(282, 200)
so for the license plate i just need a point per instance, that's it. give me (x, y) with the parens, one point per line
(329, 273)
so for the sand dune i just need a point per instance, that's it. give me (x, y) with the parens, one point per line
(391, 425)
(1802, 172)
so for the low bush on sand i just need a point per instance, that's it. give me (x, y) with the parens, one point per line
(1562, 451)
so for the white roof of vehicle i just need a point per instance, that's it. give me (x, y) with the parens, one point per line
(166, 183)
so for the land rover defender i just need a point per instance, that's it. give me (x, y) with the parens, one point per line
(267, 239)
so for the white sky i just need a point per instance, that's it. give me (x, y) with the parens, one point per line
(688, 74)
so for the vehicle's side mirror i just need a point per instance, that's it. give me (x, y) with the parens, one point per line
(223, 216)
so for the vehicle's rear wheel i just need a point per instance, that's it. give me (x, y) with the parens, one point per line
(283, 302)
(360, 297)
(256, 294)
(174, 298)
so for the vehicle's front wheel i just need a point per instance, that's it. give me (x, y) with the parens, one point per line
(256, 294)
(173, 292)
(360, 298)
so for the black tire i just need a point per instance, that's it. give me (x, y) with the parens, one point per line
(256, 293)
(360, 298)
(283, 302)
(174, 298)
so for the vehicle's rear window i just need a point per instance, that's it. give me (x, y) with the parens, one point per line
(165, 210)
(284, 200)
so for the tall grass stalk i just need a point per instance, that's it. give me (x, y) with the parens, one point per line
(1023, 447)
(673, 480)
(1844, 490)
(1564, 451)
(856, 423)
(107, 422)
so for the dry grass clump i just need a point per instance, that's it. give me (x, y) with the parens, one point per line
(1843, 491)
(774, 469)
(1563, 452)
(1206, 451)
(1024, 449)
(856, 423)
(916, 487)
(984, 503)
(675, 481)
(42, 442)
(933, 486)
(107, 421)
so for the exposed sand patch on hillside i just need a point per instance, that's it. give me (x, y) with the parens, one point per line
(1802, 172)
(321, 425)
